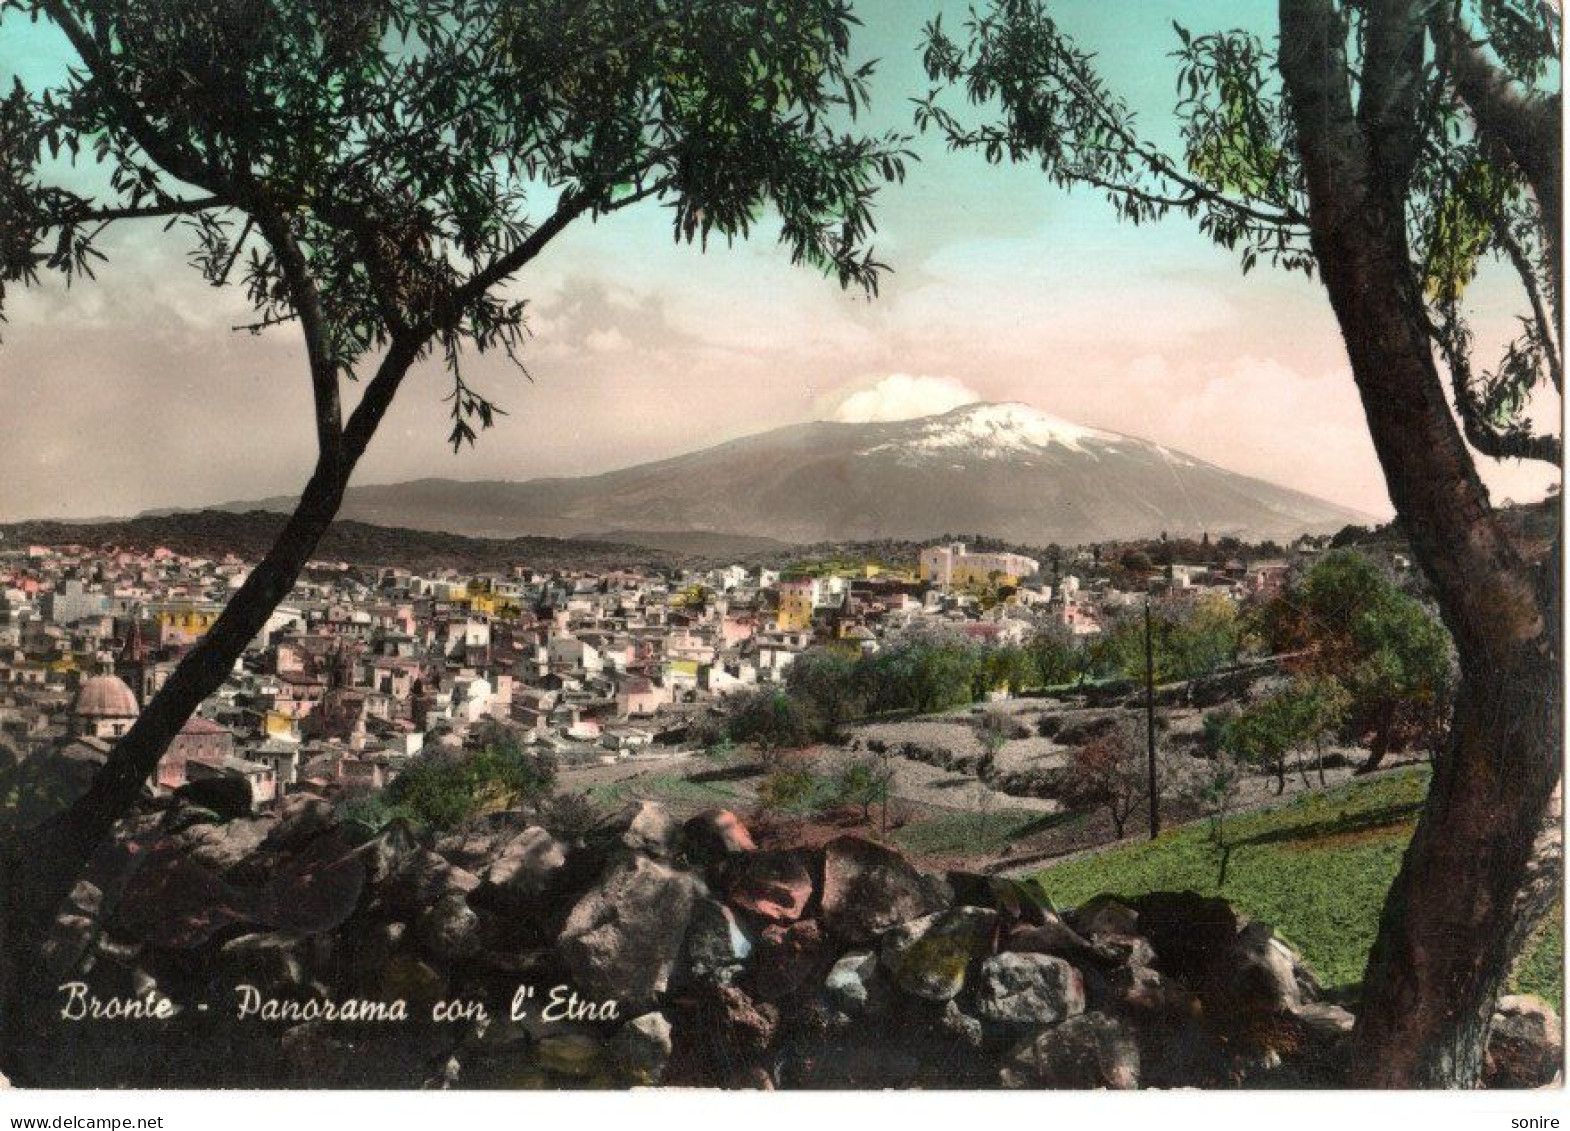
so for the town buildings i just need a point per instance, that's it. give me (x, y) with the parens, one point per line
(362, 669)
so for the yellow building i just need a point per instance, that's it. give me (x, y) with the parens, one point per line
(185, 624)
(796, 603)
(281, 724)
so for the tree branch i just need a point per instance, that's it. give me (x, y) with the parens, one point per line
(1160, 164)
(1515, 444)
(169, 154)
(307, 303)
(568, 208)
(1392, 87)
(1534, 294)
(173, 207)
(404, 350)
(1454, 346)
(1524, 123)
(408, 344)
(1314, 64)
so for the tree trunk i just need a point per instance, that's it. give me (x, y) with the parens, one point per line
(1453, 918)
(1379, 742)
(65, 843)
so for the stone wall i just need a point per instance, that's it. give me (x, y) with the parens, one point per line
(679, 952)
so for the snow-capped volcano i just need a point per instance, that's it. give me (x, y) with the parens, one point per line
(1007, 470)
(998, 431)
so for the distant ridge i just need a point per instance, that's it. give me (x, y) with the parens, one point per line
(249, 535)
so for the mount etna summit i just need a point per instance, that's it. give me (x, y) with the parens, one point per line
(1005, 470)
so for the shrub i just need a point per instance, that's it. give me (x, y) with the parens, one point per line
(1216, 725)
(772, 720)
(570, 814)
(790, 789)
(365, 815)
(442, 790)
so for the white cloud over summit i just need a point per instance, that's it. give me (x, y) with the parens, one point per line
(903, 396)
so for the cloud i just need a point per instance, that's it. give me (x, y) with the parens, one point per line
(901, 396)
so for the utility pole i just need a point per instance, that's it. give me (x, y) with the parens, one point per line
(1150, 724)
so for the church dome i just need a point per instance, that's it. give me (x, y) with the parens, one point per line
(105, 697)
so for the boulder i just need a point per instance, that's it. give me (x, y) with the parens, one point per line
(269, 961)
(1137, 988)
(736, 1026)
(474, 847)
(386, 853)
(868, 888)
(622, 939)
(957, 1025)
(1093, 1050)
(1257, 973)
(1318, 1039)
(855, 985)
(413, 980)
(716, 948)
(1190, 932)
(313, 890)
(312, 1051)
(74, 930)
(85, 898)
(1053, 936)
(372, 947)
(1028, 989)
(1526, 1044)
(302, 818)
(716, 834)
(772, 885)
(67, 945)
(1023, 901)
(222, 847)
(1324, 1022)
(171, 901)
(1105, 915)
(649, 828)
(928, 957)
(527, 866)
(574, 1054)
(787, 958)
(450, 929)
(642, 1048)
(415, 881)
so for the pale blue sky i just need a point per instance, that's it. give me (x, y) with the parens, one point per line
(135, 394)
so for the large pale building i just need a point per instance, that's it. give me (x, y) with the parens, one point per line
(953, 564)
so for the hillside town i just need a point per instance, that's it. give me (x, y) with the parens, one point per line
(363, 669)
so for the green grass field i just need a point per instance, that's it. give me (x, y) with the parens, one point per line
(970, 834)
(1316, 868)
(664, 787)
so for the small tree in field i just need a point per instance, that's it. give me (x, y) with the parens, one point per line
(994, 732)
(1109, 772)
(863, 783)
